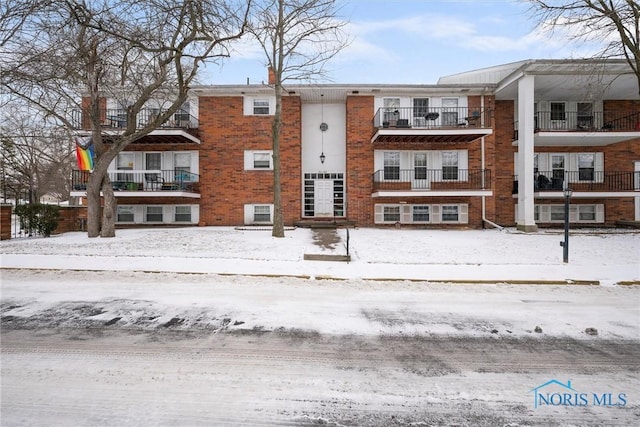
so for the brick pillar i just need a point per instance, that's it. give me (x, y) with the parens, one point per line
(5, 222)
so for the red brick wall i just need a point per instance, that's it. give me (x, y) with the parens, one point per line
(504, 205)
(359, 162)
(72, 218)
(225, 186)
(86, 113)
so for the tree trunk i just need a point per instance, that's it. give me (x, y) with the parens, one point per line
(93, 205)
(108, 210)
(278, 220)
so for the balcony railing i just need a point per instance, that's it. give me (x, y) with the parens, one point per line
(143, 180)
(451, 178)
(607, 121)
(117, 119)
(432, 118)
(583, 180)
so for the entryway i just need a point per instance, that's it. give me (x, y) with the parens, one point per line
(323, 195)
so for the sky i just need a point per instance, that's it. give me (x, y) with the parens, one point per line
(418, 41)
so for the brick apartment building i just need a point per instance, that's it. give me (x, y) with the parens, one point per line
(496, 145)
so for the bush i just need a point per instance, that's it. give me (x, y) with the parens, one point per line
(36, 217)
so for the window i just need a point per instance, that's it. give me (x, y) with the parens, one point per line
(153, 214)
(420, 213)
(449, 111)
(391, 165)
(391, 214)
(258, 160)
(182, 116)
(420, 107)
(580, 213)
(585, 115)
(391, 112)
(586, 166)
(182, 166)
(261, 106)
(557, 212)
(262, 160)
(262, 213)
(182, 214)
(125, 214)
(535, 163)
(420, 111)
(125, 162)
(558, 111)
(587, 213)
(450, 165)
(557, 167)
(153, 161)
(449, 213)
(420, 165)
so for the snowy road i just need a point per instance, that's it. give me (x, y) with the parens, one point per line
(97, 377)
(122, 348)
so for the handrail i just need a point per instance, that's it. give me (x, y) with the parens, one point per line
(584, 180)
(141, 180)
(116, 118)
(432, 117)
(422, 178)
(601, 121)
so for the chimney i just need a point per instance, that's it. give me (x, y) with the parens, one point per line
(272, 76)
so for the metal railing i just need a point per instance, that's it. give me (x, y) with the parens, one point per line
(431, 179)
(142, 180)
(430, 118)
(117, 119)
(583, 180)
(607, 121)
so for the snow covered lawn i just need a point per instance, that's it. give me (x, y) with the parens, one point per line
(437, 255)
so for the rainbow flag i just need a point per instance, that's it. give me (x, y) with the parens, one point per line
(85, 154)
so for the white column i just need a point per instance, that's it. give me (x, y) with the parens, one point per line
(525, 154)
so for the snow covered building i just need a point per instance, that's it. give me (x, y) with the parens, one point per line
(495, 145)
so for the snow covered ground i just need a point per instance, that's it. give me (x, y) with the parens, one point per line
(218, 326)
(436, 255)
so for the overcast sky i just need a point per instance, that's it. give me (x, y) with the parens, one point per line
(418, 41)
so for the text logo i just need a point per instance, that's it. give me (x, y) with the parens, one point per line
(557, 393)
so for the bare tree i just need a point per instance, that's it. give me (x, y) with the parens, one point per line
(615, 23)
(135, 51)
(36, 157)
(298, 38)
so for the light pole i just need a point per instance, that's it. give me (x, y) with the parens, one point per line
(565, 245)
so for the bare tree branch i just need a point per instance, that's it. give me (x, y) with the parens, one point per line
(132, 51)
(615, 24)
(298, 37)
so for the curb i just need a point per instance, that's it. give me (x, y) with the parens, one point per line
(566, 282)
(478, 282)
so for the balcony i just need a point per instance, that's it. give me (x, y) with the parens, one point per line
(573, 128)
(437, 182)
(181, 127)
(583, 181)
(431, 125)
(143, 183)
